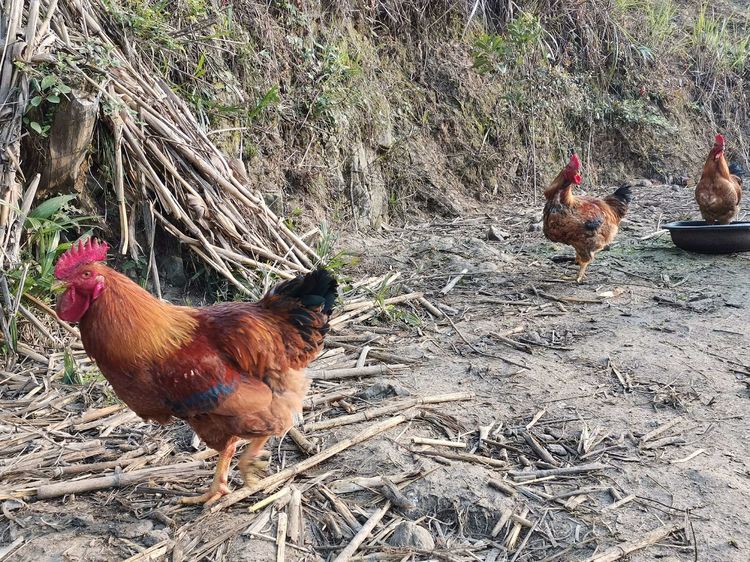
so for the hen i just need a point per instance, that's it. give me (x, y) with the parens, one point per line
(718, 192)
(232, 370)
(586, 223)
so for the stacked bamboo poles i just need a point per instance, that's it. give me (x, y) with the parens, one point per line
(161, 153)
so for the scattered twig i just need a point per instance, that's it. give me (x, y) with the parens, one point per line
(362, 534)
(623, 549)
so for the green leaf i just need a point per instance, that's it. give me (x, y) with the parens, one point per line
(64, 88)
(48, 81)
(49, 207)
(36, 127)
(35, 101)
(70, 373)
(53, 99)
(199, 68)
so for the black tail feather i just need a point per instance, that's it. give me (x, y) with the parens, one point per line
(315, 289)
(624, 194)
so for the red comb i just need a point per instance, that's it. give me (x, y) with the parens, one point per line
(719, 140)
(575, 162)
(87, 251)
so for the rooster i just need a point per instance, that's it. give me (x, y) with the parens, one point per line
(586, 223)
(718, 192)
(231, 370)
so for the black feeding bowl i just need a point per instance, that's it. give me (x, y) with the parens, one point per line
(697, 236)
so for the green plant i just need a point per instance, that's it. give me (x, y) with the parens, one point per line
(500, 53)
(45, 225)
(46, 94)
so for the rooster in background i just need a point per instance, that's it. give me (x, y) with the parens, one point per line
(586, 223)
(231, 370)
(718, 192)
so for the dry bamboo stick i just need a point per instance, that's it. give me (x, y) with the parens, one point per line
(539, 449)
(502, 486)
(119, 182)
(565, 471)
(621, 550)
(270, 499)
(363, 307)
(619, 503)
(296, 526)
(466, 457)
(381, 355)
(341, 508)
(353, 372)
(362, 534)
(306, 464)
(438, 442)
(301, 441)
(515, 532)
(659, 430)
(281, 526)
(504, 518)
(382, 410)
(116, 480)
(155, 552)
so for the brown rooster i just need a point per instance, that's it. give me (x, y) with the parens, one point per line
(232, 370)
(586, 223)
(718, 192)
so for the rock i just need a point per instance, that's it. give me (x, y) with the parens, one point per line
(384, 127)
(558, 450)
(156, 536)
(82, 520)
(381, 390)
(408, 534)
(133, 530)
(275, 202)
(494, 233)
(536, 226)
(368, 191)
(172, 270)
(639, 182)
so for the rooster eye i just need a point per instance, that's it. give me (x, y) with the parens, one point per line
(86, 274)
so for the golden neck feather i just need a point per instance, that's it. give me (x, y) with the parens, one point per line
(126, 324)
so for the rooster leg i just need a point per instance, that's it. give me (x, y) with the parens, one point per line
(582, 271)
(249, 464)
(218, 486)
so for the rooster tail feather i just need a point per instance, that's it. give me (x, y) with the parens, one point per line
(314, 290)
(624, 194)
(620, 200)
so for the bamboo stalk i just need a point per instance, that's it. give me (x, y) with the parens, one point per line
(117, 480)
(387, 409)
(281, 525)
(119, 183)
(363, 533)
(354, 372)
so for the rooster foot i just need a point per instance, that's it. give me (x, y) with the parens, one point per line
(254, 469)
(214, 493)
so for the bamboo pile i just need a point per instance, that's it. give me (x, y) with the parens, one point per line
(163, 156)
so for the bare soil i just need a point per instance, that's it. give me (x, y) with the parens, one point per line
(672, 324)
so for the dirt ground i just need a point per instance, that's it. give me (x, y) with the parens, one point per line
(654, 336)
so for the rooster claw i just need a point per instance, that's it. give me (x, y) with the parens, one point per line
(211, 496)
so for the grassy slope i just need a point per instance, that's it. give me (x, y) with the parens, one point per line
(446, 104)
